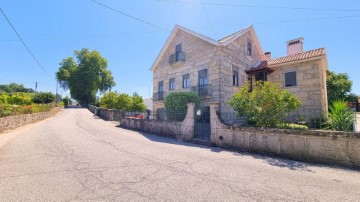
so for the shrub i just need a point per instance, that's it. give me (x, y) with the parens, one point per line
(66, 101)
(266, 105)
(341, 117)
(20, 99)
(44, 98)
(3, 98)
(176, 104)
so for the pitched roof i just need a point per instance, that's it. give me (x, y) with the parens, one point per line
(261, 66)
(228, 39)
(296, 57)
(265, 65)
(173, 34)
(222, 42)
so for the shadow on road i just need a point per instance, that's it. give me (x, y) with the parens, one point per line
(273, 161)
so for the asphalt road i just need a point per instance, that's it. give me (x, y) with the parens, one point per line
(78, 157)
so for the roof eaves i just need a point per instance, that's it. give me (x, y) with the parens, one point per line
(233, 37)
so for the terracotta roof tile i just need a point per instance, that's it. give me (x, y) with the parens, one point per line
(298, 56)
(261, 66)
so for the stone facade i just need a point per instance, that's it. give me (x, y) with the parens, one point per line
(221, 58)
(311, 85)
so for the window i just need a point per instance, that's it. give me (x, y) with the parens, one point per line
(249, 48)
(235, 75)
(178, 51)
(203, 79)
(161, 86)
(186, 81)
(262, 76)
(290, 79)
(172, 84)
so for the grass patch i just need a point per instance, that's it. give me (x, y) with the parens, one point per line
(292, 126)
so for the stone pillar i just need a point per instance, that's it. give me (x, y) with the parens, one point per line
(214, 121)
(111, 115)
(187, 126)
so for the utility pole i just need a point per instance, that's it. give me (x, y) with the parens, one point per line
(56, 94)
(35, 86)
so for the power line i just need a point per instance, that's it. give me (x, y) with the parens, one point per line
(268, 7)
(23, 42)
(130, 16)
(82, 37)
(207, 17)
(296, 20)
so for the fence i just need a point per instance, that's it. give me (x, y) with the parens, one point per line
(169, 115)
(297, 120)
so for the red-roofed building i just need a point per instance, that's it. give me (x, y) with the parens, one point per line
(216, 69)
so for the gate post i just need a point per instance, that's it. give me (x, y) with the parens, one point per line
(214, 121)
(187, 126)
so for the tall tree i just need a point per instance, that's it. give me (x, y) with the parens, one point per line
(338, 86)
(85, 77)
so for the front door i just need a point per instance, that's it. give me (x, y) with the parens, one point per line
(202, 123)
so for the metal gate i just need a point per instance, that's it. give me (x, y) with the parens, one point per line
(202, 123)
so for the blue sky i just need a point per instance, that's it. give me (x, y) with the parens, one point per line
(53, 29)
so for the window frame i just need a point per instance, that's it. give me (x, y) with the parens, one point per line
(235, 78)
(249, 48)
(186, 77)
(295, 77)
(161, 83)
(172, 84)
(203, 80)
(264, 76)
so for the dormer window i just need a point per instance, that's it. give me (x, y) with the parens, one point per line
(249, 48)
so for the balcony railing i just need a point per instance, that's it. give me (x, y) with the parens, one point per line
(159, 96)
(177, 57)
(202, 90)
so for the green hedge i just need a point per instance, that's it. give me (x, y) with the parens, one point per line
(176, 104)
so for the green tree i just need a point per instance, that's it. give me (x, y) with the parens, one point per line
(86, 77)
(44, 98)
(266, 104)
(113, 100)
(338, 86)
(5, 89)
(109, 100)
(14, 87)
(124, 102)
(137, 103)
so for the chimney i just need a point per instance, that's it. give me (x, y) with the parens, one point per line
(268, 55)
(295, 46)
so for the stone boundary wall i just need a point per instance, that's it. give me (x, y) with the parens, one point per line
(106, 114)
(11, 122)
(329, 147)
(180, 130)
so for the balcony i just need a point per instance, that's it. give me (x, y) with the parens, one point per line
(177, 57)
(159, 96)
(202, 90)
